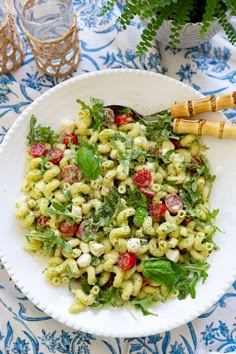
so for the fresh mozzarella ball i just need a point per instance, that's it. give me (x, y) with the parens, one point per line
(97, 249)
(133, 245)
(105, 190)
(67, 126)
(84, 260)
(76, 210)
(67, 152)
(173, 255)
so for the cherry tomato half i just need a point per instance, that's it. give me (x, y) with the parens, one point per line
(126, 260)
(71, 174)
(187, 219)
(70, 138)
(157, 210)
(147, 192)
(55, 155)
(124, 119)
(109, 117)
(142, 178)
(110, 280)
(41, 223)
(158, 151)
(196, 160)
(67, 229)
(173, 203)
(176, 143)
(145, 282)
(81, 228)
(37, 149)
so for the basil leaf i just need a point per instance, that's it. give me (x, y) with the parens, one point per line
(88, 163)
(139, 216)
(159, 271)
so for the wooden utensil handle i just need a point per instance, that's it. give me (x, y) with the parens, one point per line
(209, 104)
(203, 127)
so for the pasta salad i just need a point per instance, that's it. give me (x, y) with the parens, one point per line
(121, 209)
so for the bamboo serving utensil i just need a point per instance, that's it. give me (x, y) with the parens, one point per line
(189, 109)
(211, 103)
(201, 127)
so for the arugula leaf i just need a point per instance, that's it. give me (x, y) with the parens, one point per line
(136, 199)
(210, 235)
(165, 158)
(39, 134)
(88, 163)
(128, 157)
(187, 285)
(109, 209)
(83, 143)
(95, 260)
(211, 215)
(91, 235)
(191, 197)
(171, 229)
(60, 210)
(84, 284)
(161, 130)
(50, 239)
(108, 296)
(144, 304)
(67, 194)
(122, 110)
(96, 111)
(127, 140)
(43, 162)
(211, 178)
(70, 276)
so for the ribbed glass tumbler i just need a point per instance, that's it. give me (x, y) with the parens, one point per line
(51, 30)
(11, 44)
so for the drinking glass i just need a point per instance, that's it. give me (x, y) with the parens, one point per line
(11, 45)
(51, 29)
(3, 12)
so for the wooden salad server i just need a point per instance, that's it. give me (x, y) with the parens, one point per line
(200, 127)
(211, 103)
(189, 109)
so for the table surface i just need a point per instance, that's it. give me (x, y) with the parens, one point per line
(209, 68)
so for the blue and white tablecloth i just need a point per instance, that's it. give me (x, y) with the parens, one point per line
(210, 68)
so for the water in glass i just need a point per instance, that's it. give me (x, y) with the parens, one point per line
(48, 20)
(2, 13)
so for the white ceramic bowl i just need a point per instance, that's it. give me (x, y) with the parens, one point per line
(147, 92)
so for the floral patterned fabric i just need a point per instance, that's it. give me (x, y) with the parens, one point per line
(210, 68)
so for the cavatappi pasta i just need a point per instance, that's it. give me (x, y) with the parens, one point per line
(120, 209)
